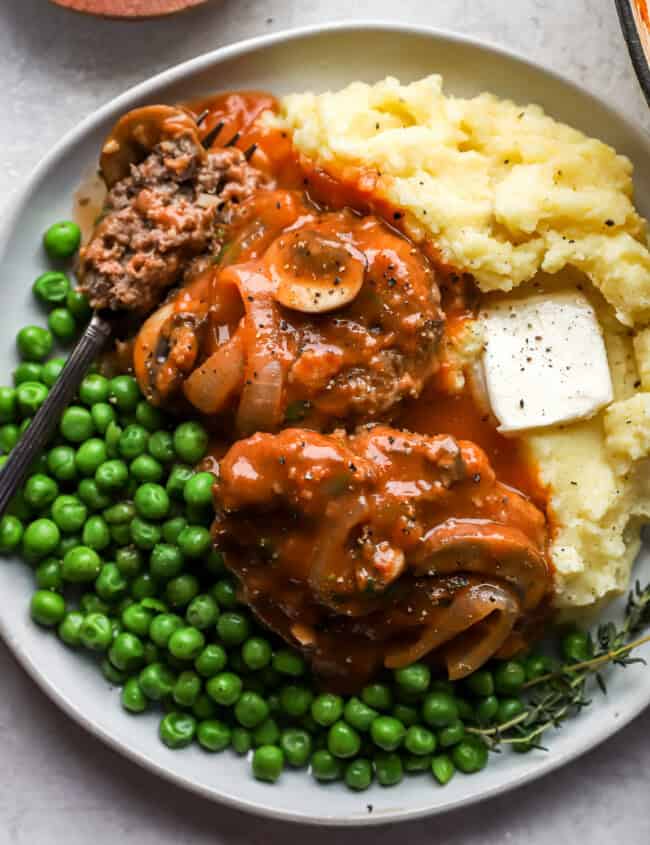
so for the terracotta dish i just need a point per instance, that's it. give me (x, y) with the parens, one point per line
(132, 9)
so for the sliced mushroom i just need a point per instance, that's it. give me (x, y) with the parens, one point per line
(137, 132)
(314, 273)
(487, 548)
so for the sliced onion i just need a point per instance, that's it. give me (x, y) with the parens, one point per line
(219, 378)
(491, 609)
(260, 407)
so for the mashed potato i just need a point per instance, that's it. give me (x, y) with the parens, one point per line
(514, 197)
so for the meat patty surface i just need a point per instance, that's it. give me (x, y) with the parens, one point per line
(168, 210)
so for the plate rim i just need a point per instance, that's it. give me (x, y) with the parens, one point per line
(10, 213)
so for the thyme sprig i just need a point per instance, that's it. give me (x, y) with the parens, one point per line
(555, 696)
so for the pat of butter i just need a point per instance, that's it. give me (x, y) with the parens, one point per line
(545, 361)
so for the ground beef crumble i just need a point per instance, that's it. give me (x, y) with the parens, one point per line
(169, 210)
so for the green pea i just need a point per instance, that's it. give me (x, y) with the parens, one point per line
(69, 629)
(378, 696)
(215, 563)
(133, 698)
(509, 677)
(111, 475)
(62, 240)
(268, 762)
(194, 541)
(124, 393)
(113, 676)
(93, 389)
(387, 732)
(61, 463)
(156, 681)
(241, 740)
(8, 404)
(186, 643)
(343, 741)
(127, 652)
(96, 632)
(470, 755)
(224, 688)
(415, 764)
(102, 416)
(211, 661)
(161, 447)
(190, 442)
(129, 561)
(213, 735)
(165, 561)
(145, 535)
(40, 491)
(509, 708)
(34, 343)
(202, 612)
(480, 683)
(47, 608)
(69, 513)
(407, 714)
(326, 709)
(51, 371)
(133, 441)
(81, 564)
(285, 661)
(177, 729)
(419, 740)
(76, 424)
(537, 665)
(443, 768)
(96, 533)
(233, 628)
(11, 533)
(120, 513)
(204, 707)
(186, 689)
(297, 746)
(9, 436)
(48, 575)
(388, 768)
(77, 303)
(486, 710)
(198, 489)
(358, 714)
(41, 538)
(62, 324)
(251, 709)
(137, 619)
(358, 774)
(576, 647)
(225, 592)
(111, 585)
(151, 501)
(414, 678)
(90, 456)
(178, 478)
(256, 653)
(325, 767)
(144, 468)
(150, 417)
(452, 734)
(51, 288)
(27, 371)
(180, 591)
(163, 626)
(439, 709)
(91, 603)
(266, 733)
(19, 508)
(30, 395)
(295, 700)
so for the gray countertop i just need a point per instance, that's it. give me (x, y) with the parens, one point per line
(57, 783)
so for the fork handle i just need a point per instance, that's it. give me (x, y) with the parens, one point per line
(45, 420)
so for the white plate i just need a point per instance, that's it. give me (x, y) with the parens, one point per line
(316, 58)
